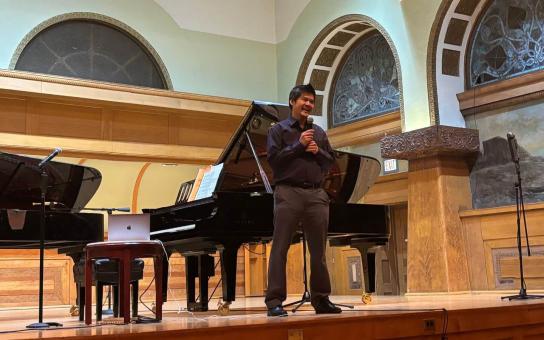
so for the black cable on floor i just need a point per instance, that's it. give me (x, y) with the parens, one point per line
(445, 325)
(246, 247)
(213, 292)
(51, 329)
(143, 293)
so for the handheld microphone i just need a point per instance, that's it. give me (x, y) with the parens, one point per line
(309, 123)
(513, 146)
(49, 158)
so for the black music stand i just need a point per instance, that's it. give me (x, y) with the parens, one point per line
(306, 297)
(44, 181)
(520, 210)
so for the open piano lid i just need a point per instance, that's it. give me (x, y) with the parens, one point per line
(348, 180)
(69, 188)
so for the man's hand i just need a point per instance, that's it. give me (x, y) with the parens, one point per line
(306, 137)
(312, 147)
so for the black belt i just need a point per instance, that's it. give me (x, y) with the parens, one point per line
(304, 185)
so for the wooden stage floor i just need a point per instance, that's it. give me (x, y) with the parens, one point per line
(461, 316)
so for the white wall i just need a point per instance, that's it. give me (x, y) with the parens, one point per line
(268, 21)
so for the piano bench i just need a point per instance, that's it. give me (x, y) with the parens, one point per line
(106, 273)
(124, 253)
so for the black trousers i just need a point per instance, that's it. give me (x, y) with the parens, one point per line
(293, 205)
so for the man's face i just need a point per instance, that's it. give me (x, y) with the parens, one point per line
(303, 106)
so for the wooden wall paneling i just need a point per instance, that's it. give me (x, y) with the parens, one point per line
(334, 259)
(502, 93)
(337, 270)
(255, 257)
(476, 254)
(388, 189)
(217, 131)
(493, 230)
(494, 270)
(13, 114)
(80, 116)
(346, 268)
(397, 248)
(19, 277)
(67, 120)
(247, 270)
(505, 226)
(173, 129)
(365, 131)
(532, 270)
(99, 149)
(141, 127)
(385, 280)
(351, 264)
(106, 124)
(295, 269)
(32, 119)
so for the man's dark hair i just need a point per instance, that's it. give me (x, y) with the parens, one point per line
(298, 90)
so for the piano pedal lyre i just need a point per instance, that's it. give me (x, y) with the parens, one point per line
(74, 310)
(366, 298)
(223, 308)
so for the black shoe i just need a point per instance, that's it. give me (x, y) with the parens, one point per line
(325, 306)
(276, 311)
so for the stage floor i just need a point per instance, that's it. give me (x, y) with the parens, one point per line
(460, 316)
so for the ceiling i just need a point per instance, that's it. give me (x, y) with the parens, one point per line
(268, 21)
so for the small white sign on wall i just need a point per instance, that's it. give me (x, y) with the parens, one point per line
(390, 166)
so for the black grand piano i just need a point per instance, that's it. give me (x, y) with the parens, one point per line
(69, 188)
(240, 209)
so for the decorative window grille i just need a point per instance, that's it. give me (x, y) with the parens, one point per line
(367, 84)
(93, 50)
(509, 41)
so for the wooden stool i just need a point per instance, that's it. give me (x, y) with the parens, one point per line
(124, 252)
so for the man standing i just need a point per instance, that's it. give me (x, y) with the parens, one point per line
(300, 155)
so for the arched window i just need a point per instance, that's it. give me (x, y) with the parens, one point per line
(509, 41)
(91, 49)
(354, 67)
(367, 83)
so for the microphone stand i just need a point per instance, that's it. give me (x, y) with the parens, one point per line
(306, 297)
(520, 210)
(44, 180)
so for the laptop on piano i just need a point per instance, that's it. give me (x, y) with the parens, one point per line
(128, 227)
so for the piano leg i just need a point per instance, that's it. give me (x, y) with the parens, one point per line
(99, 296)
(81, 300)
(116, 301)
(79, 279)
(165, 274)
(201, 266)
(229, 257)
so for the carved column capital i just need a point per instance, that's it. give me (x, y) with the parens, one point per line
(431, 141)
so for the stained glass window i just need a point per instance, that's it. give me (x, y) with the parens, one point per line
(367, 83)
(509, 41)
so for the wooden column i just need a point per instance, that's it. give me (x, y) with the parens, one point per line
(438, 187)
